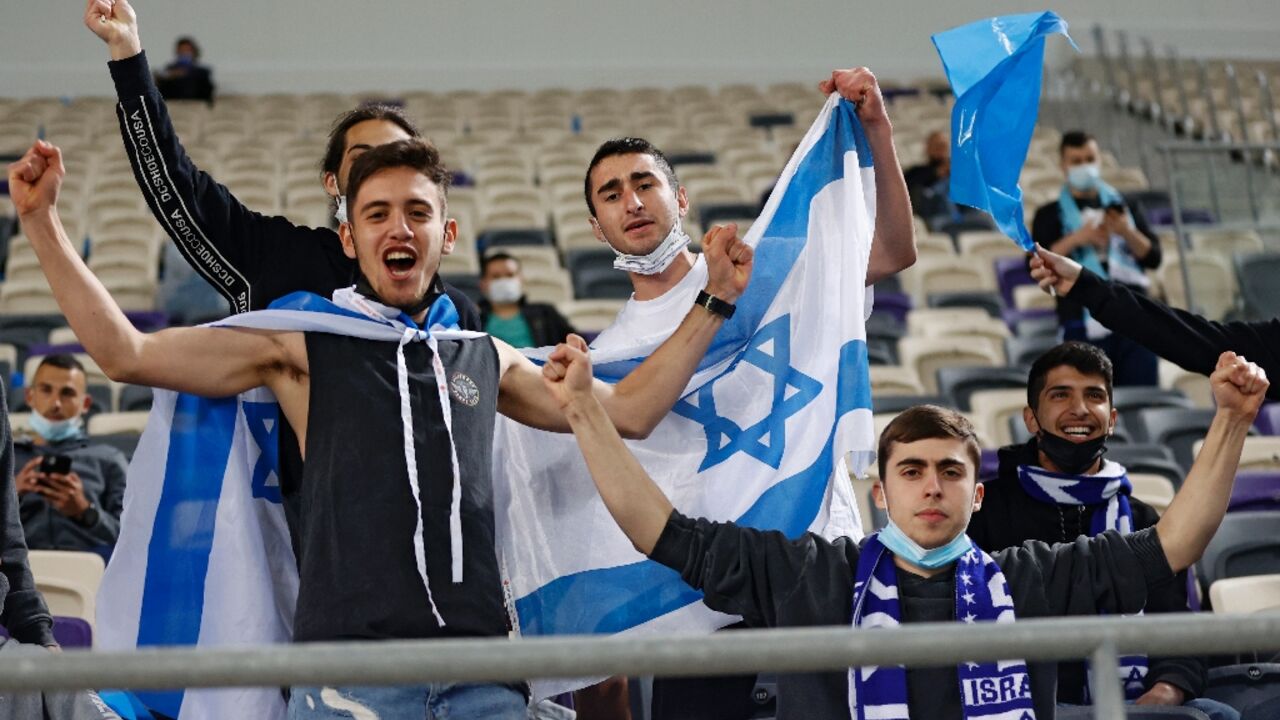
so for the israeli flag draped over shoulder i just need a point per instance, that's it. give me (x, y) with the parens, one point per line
(780, 398)
(204, 556)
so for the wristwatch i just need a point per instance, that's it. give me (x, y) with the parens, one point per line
(89, 517)
(715, 305)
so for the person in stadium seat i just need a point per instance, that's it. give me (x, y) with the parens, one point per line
(636, 205)
(1184, 338)
(1091, 222)
(362, 546)
(922, 566)
(930, 186)
(185, 78)
(507, 313)
(75, 505)
(1059, 486)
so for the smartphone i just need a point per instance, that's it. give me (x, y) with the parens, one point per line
(55, 464)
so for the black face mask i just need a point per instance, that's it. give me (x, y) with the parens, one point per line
(1071, 458)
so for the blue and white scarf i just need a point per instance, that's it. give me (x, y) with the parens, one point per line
(1110, 485)
(992, 690)
(1121, 265)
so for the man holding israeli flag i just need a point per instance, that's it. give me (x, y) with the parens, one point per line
(764, 426)
(394, 413)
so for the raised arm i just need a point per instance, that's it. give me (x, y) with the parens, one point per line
(204, 361)
(1186, 339)
(1196, 511)
(640, 400)
(893, 248)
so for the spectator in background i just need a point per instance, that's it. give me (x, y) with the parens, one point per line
(185, 78)
(508, 316)
(929, 185)
(1058, 486)
(70, 489)
(1091, 223)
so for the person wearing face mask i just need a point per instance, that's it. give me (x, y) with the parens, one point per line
(76, 507)
(930, 568)
(1059, 485)
(185, 78)
(1091, 223)
(506, 313)
(636, 206)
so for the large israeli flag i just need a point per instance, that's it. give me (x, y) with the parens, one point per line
(782, 395)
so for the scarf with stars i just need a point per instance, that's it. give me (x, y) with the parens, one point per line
(993, 690)
(1108, 490)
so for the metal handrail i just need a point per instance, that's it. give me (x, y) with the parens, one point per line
(782, 650)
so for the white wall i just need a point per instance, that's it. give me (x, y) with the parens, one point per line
(305, 45)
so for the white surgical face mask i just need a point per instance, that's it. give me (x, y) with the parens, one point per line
(340, 213)
(505, 291)
(658, 260)
(1084, 177)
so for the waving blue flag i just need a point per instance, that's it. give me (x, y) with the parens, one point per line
(994, 67)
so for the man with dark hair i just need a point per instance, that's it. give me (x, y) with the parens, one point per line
(1182, 337)
(924, 565)
(1091, 222)
(70, 489)
(185, 78)
(1058, 486)
(399, 459)
(636, 205)
(508, 315)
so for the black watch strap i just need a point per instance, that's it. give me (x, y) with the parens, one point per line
(89, 517)
(715, 305)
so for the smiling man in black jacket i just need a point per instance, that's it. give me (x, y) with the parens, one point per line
(928, 462)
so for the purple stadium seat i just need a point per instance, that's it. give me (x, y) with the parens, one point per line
(70, 632)
(895, 304)
(1010, 273)
(1256, 490)
(1268, 421)
(1012, 316)
(988, 466)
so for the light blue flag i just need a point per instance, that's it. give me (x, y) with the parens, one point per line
(994, 67)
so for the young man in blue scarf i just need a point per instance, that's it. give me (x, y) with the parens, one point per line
(1059, 485)
(922, 566)
(1091, 222)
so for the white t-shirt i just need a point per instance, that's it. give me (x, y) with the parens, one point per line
(642, 321)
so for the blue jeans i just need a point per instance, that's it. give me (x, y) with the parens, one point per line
(1214, 709)
(442, 701)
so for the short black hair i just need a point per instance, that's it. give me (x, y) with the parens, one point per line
(337, 144)
(627, 146)
(195, 47)
(65, 361)
(1085, 358)
(415, 153)
(1073, 139)
(497, 256)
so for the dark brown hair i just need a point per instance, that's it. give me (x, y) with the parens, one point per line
(413, 153)
(926, 422)
(1085, 358)
(338, 134)
(628, 146)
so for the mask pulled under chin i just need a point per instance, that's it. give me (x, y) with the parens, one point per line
(1072, 458)
(364, 288)
(55, 430)
(892, 537)
(340, 212)
(658, 260)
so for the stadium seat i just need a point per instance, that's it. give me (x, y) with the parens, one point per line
(995, 409)
(468, 284)
(118, 422)
(1243, 595)
(1023, 351)
(1138, 397)
(548, 286)
(1133, 712)
(1259, 290)
(591, 316)
(1031, 297)
(1011, 272)
(1268, 420)
(921, 319)
(1194, 385)
(601, 283)
(68, 580)
(1224, 242)
(1178, 428)
(1247, 543)
(1214, 283)
(959, 383)
(894, 380)
(897, 403)
(927, 354)
(986, 299)
(1154, 490)
(489, 239)
(125, 442)
(940, 274)
(1245, 686)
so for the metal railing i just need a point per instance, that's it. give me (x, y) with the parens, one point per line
(784, 651)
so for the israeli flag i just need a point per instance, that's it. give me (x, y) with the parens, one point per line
(758, 437)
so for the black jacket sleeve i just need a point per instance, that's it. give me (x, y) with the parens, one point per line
(1108, 573)
(114, 467)
(1189, 340)
(24, 612)
(250, 258)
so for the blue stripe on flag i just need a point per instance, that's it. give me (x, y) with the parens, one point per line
(782, 241)
(609, 600)
(182, 536)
